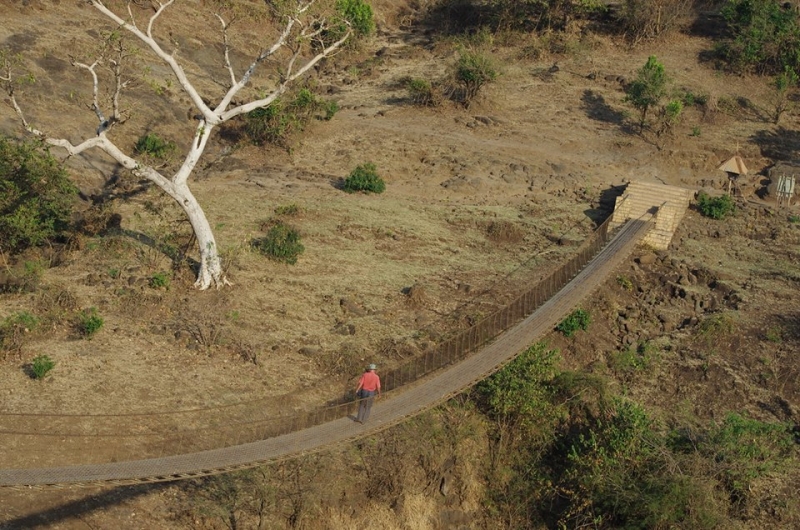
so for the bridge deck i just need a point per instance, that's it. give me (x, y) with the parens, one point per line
(416, 399)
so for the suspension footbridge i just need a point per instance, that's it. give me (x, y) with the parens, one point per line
(413, 388)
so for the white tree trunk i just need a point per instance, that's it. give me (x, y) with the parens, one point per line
(210, 272)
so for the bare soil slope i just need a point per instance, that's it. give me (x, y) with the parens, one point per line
(537, 152)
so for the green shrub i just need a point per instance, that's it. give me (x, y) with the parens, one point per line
(359, 14)
(36, 195)
(783, 84)
(520, 393)
(764, 36)
(473, 71)
(423, 93)
(330, 108)
(690, 99)
(159, 280)
(577, 320)
(794, 219)
(746, 449)
(625, 283)
(670, 116)
(287, 209)
(276, 123)
(14, 328)
(617, 472)
(631, 360)
(155, 147)
(41, 365)
(364, 178)
(775, 334)
(714, 207)
(89, 322)
(282, 243)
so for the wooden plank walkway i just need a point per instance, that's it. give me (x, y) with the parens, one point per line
(409, 402)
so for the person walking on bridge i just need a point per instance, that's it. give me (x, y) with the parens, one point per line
(368, 387)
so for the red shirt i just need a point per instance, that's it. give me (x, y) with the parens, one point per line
(370, 381)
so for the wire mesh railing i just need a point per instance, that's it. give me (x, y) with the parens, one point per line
(70, 441)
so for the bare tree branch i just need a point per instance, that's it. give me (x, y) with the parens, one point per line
(207, 113)
(226, 43)
(161, 8)
(95, 106)
(244, 109)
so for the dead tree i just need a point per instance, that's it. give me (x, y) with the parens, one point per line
(306, 37)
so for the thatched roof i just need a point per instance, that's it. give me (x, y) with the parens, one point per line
(734, 165)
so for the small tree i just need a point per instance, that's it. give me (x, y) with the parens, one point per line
(648, 89)
(307, 32)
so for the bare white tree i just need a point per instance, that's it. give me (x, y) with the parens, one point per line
(304, 40)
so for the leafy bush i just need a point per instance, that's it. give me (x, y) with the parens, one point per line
(717, 325)
(287, 209)
(631, 360)
(520, 394)
(159, 280)
(473, 71)
(24, 276)
(669, 116)
(625, 283)
(36, 195)
(276, 123)
(41, 365)
(13, 329)
(359, 14)
(690, 99)
(577, 320)
(89, 322)
(765, 35)
(775, 334)
(746, 449)
(282, 243)
(330, 108)
(155, 147)
(714, 207)
(364, 178)
(616, 471)
(423, 92)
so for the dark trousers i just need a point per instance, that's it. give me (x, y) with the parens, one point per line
(365, 405)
